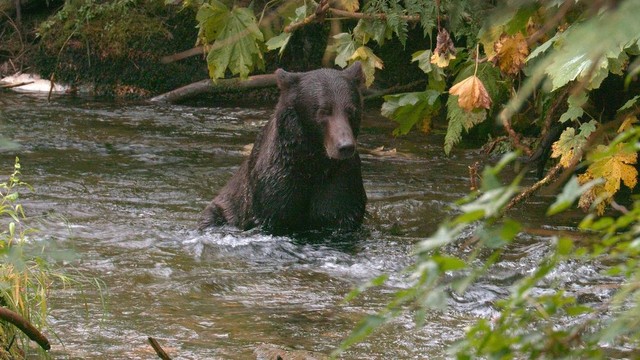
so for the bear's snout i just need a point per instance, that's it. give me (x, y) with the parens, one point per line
(339, 143)
(346, 150)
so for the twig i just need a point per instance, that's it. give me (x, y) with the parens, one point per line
(566, 6)
(378, 16)
(344, 14)
(370, 95)
(158, 349)
(309, 19)
(473, 176)
(198, 50)
(52, 85)
(25, 326)
(549, 117)
(551, 176)
(488, 148)
(515, 139)
(554, 173)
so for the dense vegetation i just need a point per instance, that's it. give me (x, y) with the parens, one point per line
(25, 277)
(532, 79)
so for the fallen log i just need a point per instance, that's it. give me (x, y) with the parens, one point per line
(25, 326)
(220, 85)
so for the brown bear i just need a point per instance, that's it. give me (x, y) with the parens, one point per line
(303, 172)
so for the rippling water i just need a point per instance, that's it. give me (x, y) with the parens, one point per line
(121, 186)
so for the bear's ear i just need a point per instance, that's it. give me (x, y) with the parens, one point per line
(354, 73)
(286, 80)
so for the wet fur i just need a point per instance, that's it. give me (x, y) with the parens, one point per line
(302, 173)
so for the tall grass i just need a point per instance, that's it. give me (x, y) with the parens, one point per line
(25, 275)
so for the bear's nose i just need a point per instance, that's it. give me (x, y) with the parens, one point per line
(346, 150)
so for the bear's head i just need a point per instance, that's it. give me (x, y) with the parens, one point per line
(328, 103)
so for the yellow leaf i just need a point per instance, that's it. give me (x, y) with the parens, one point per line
(567, 146)
(370, 62)
(348, 5)
(471, 94)
(441, 60)
(510, 53)
(614, 169)
(628, 123)
(444, 51)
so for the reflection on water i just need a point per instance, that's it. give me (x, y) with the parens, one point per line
(122, 185)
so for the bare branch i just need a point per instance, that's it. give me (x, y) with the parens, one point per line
(25, 326)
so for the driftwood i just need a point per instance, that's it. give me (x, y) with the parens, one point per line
(25, 326)
(9, 86)
(221, 85)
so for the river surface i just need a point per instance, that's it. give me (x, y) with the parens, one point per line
(121, 186)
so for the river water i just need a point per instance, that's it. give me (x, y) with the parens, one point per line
(121, 185)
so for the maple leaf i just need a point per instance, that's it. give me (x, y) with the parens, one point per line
(613, 168)
(471, 94)
(511, 53)
(369, 62)
(445, 51)
(567, 146)
(570, 143)
(237, 45)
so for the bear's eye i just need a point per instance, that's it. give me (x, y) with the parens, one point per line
(350, 110)
(324, 111)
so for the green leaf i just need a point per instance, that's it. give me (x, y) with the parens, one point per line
(510, 228)
(278, 42)
(368, 29)
(362, 330)
(211, 19)
(449, 263)
(344, 47)
(370, 62)
(281, 41)
(459, 119)
(564, 246)
(469, 217)
(423, 57)
(377, 281)
(443, 236)
(570, 193)
(588, 50)
(237, 46)
(575, 111)
(491, 201)
(518, 22)
(630, 105)
(587, 128)
(409, 109)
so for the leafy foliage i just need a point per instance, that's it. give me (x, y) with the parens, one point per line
(571, 144)
(410, 109)
(460, 119)
(24, 278)
(614, 165)
(235, 37)
(527, 323)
